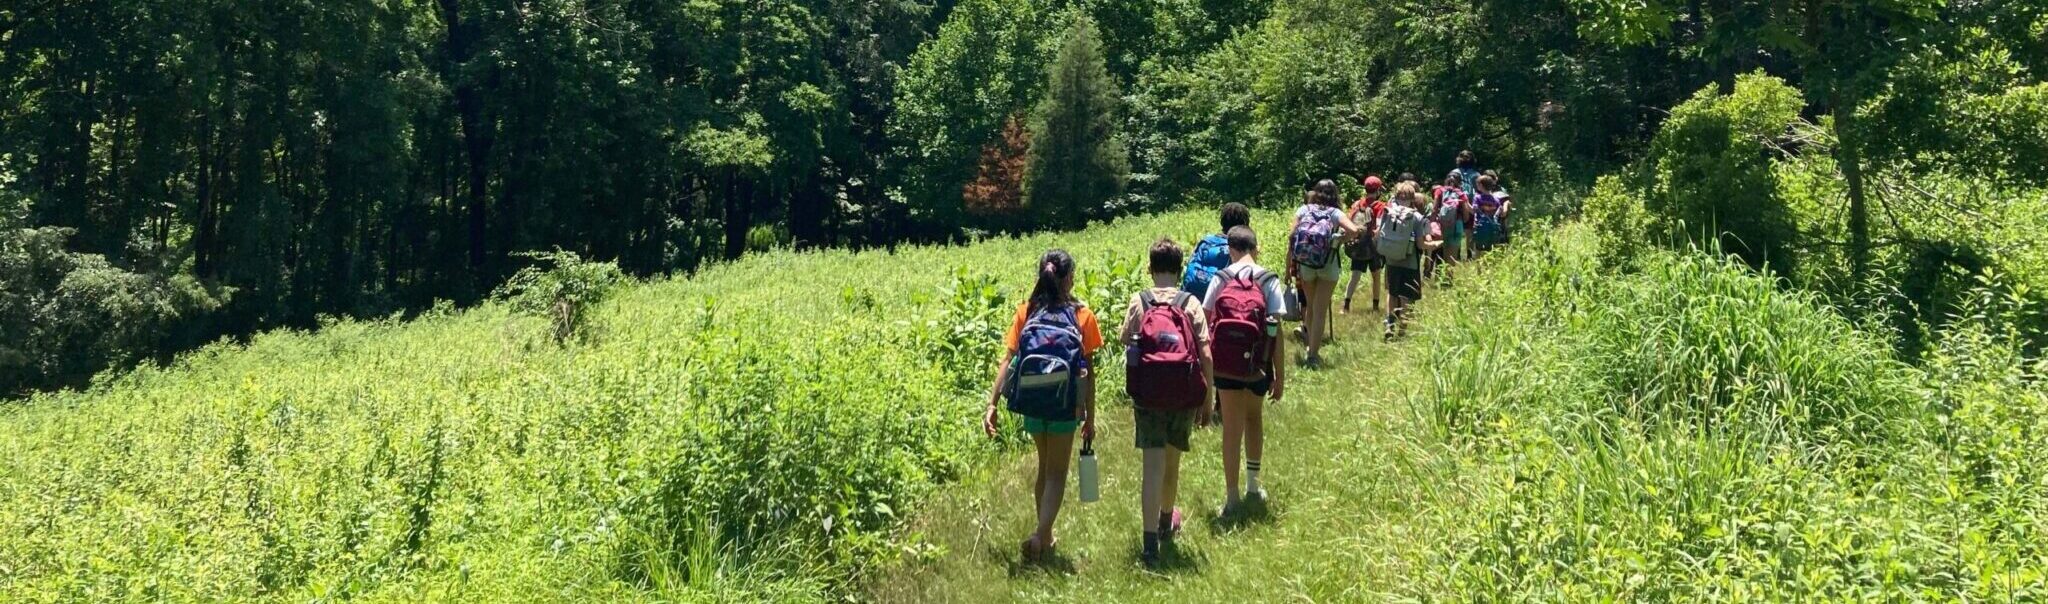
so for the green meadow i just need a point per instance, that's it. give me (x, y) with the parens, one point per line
(804, 427)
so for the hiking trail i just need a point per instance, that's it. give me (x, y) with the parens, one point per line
(1355, 477)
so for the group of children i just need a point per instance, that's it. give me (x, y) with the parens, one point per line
(1208, 331)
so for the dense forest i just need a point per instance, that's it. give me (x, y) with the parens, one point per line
(171, 172)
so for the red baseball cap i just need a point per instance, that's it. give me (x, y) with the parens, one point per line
(1372, 183)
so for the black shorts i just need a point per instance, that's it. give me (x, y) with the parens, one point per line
(1365, 257)
(1261, 387)
(1404, 282)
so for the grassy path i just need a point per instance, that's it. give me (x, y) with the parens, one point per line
(1358, 483)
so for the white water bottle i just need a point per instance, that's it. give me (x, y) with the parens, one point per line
(1090, 489)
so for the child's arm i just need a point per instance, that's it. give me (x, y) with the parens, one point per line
(995, 394)
(1208, 380)
(1279, 361)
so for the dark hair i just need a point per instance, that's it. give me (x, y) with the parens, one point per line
(1488, 183)
(1236, 215)
(1466, 159)
(1325, 193)
(1053, 270)
(1166, 257)
(1407, 177)
(1242, 239)
(1454, 179)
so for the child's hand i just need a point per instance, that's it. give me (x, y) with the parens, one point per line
(988, 422)
(1279, 388)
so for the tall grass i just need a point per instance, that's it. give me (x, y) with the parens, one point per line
(1692, 431)
(756, 432)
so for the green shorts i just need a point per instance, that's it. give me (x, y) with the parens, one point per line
(1033, 425)
(1162, 429)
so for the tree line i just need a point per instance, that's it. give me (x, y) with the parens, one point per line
(174, 171)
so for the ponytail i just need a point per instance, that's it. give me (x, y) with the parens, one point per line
(1051, 291)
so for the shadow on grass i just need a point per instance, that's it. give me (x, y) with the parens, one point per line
(1055, 563)
(1249, 513)
(1174, 559)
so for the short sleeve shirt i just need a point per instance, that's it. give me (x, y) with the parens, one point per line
(1193, 307)
(1084, 319)
(1276, 300)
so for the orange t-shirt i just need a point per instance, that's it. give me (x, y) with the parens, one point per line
(1084, 319)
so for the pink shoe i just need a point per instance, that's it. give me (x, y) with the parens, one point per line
(1169, 527)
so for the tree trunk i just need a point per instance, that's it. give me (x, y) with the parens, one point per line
(461, 47)
(203, 233)
(1850, 159)
(739, 215)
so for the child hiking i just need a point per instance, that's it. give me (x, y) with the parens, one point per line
(1364, 258)
(1405, 237)
(1319, 231)
(1451, 210)
(1168, 374)
(1467, 173)
(1507, 207)
(1046, 373)
(1244, 306)
(1489, 214)
(1213, 255)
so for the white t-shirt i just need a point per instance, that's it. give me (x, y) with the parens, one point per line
(1276, 298)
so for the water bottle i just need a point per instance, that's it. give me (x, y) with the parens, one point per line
(1091, 489)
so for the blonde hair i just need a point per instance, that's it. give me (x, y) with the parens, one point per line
(1405, 190)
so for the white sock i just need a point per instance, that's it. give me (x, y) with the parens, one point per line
(1251, 476)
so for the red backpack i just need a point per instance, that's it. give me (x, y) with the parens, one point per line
(1165, 369)
(1237, 329)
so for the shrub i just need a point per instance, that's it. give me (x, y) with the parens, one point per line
(561, 287)
(65, 316)
(1620, 223)
(1711, 172)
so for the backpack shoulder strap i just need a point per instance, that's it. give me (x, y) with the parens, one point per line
(1180, 301)
(1146, 298)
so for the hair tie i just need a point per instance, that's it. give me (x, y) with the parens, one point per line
(1050, 268)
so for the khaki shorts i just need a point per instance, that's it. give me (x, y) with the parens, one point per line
(1162, 429)
(1329, 273)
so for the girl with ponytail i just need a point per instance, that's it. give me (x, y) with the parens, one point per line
(1051, 329)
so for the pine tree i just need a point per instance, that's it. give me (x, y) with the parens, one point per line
(1078, 164)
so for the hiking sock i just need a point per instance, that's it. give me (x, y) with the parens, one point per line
(1151, 545)
(1166, 526)
(1251, 476)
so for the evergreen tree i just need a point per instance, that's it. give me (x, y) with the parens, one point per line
(1078, 165)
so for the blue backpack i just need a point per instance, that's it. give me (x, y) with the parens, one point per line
(1044, 381)
(1211, 255)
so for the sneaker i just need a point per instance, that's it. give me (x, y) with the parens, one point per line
(1347, 307)
(1258, 494)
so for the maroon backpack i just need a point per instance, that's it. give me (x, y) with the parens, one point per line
(1237, 329)
(1165, 368)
